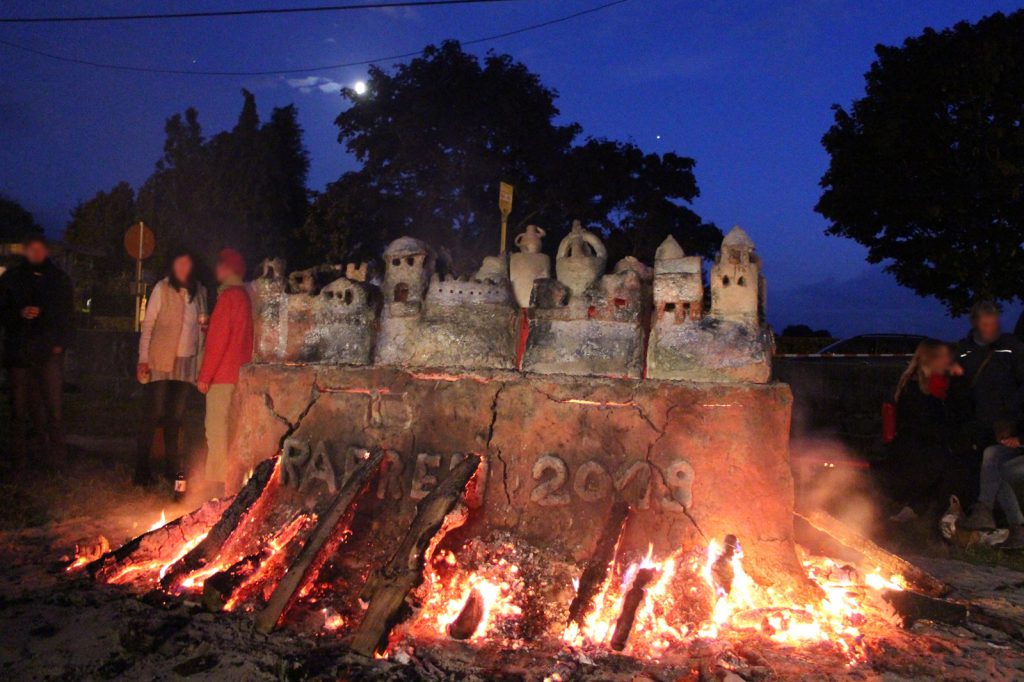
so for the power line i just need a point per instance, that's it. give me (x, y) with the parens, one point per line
(326, 67)
(239, 12)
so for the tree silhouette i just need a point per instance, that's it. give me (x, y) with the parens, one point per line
(15, 222)
(927, 169)
(436, 135)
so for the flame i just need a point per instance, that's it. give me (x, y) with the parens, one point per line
(270, 563)
(159, 523)
(743, 607)
(332, 619)
(497, 583)
(158, 568)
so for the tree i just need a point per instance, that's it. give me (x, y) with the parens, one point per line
(244, 188)
(15, 222)
(97, 227)
(99, 224)
(927, 169)
(803, 331)
(437, 135)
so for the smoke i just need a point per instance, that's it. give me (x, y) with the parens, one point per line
(830, 477)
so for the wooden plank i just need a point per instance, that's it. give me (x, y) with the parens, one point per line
(210, 547)
(880, 558)
(387, 589)
(312, 555)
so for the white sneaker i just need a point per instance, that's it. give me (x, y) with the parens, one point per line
(906, 515)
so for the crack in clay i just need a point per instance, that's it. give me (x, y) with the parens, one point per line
(497, 450)
(630, 404)
(293, 427)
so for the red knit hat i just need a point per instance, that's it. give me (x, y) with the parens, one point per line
(233, 260)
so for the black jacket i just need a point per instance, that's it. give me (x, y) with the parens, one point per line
(921, 420)
(29, 342)
(992, 387)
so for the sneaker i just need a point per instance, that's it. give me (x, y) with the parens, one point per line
(1015, 542)
(980, 518)
(905, 515)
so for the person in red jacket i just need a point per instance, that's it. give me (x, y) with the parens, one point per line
(229, 344)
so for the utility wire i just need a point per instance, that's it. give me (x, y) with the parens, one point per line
(239, 12)
(326, 67)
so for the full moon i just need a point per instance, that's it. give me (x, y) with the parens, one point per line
(360, 87)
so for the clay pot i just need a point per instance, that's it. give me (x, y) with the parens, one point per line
(530, 241)
(581, 259)
(526, 268)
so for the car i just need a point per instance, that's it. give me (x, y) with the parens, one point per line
(874, 344)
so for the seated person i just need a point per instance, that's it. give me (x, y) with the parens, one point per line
(1002, 465)
(918, 469)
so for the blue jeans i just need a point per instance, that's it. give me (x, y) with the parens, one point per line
(1000, 468)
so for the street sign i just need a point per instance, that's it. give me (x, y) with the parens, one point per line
(139, 241)
(505, 191)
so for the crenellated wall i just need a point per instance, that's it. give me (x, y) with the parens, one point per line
(632, 322)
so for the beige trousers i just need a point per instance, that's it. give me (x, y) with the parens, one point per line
(218, 427)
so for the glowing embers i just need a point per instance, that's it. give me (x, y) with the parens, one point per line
(153, 571)
(249, 581)
(473, 603)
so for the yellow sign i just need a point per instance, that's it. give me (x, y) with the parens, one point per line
(505, 197)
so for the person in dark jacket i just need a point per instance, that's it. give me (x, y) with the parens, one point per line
(920, 462)
(37, 311)
(990, 398)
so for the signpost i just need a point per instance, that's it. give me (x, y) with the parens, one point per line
(139, 242)
(505, 191)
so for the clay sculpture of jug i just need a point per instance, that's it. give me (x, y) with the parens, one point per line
(529, 265)
(581, 259)
(529, 241)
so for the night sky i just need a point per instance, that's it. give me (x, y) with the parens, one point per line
(745, 88)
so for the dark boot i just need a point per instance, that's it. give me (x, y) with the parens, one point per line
(980, 518)
(1015, 542)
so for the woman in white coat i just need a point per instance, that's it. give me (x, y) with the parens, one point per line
(168, 362)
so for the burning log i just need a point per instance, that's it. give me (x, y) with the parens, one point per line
(388, 588)
(155, 545)
(317, 547)
(218, 588)
(596, 571)
(469, 618)
(846, 536)
(630, 603)
(913, 607)
(210, 547)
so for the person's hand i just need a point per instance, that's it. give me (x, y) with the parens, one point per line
(1011, 442)
(30, 312)
(203, 387)
(57, 350)
(142, 372)
(956, 370)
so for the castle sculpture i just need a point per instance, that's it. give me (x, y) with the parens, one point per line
(632, 322)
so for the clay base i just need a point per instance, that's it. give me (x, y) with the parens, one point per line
(695, 461)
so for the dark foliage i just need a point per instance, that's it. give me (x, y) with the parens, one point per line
(244, 188)
(437, 135)
(15, 222)
(927, 169)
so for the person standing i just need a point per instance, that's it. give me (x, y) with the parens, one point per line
(168, 365)
(37, 310)
(229, 345)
